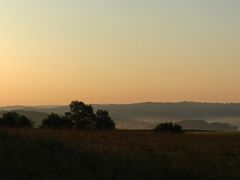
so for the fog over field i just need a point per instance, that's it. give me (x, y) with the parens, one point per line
(147, 115)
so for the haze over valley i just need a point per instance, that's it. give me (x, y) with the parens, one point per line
(147, 115)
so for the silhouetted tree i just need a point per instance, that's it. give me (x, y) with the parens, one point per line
(56, 121)
(104, 121)
(168, 127)
(25, 122)
(177, 128)
(82, 115)
(14, 120)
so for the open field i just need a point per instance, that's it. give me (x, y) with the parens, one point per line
(56, 154)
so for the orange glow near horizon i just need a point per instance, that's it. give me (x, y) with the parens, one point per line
(121, 52)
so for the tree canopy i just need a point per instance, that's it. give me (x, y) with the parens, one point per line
(55, 121)
(103, 120)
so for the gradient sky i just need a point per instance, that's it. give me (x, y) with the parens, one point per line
(107, 51)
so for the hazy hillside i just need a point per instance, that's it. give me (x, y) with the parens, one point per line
(203, 125)
(146, 115)
(152, 113)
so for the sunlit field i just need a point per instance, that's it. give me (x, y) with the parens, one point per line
(62, 154)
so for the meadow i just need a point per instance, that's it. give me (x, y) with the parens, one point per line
(115, 155)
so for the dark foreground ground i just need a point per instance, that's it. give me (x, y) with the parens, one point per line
(118, 155)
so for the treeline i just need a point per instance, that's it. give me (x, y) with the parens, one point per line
(81, 116)
(14, 120)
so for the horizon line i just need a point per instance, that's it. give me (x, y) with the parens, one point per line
(131, 103)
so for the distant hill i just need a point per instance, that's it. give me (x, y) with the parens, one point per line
(203, 125)
(147, 115)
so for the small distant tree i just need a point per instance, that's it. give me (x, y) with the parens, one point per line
(55, 121)
(168, 127)
(14, 120)
(104, 121)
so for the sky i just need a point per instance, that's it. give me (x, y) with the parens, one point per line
(108, 51)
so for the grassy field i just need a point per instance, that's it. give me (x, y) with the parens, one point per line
(54, 154)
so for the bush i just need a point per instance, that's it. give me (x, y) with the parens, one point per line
(104, 121)
(14, 120)
(168, 127)
(55, 121)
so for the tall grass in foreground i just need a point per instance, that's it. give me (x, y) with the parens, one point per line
(55, 154)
